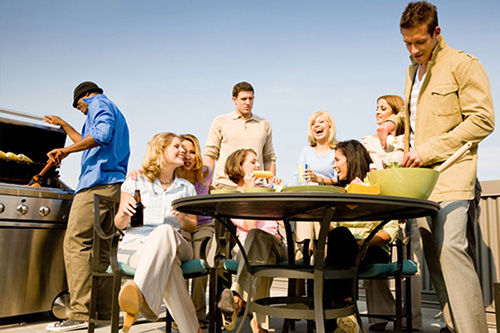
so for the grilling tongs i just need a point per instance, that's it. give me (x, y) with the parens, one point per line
(36, 181)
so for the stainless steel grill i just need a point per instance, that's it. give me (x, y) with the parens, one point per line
(32, 220)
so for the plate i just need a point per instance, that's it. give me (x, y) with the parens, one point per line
(223, 191)
(257, 189)
(318, 188)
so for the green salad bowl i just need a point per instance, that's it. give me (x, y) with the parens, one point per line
(405, 182)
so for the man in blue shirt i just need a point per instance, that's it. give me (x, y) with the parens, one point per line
(104, 142)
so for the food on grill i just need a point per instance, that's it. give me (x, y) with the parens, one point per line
(24, 158)
(12, 156)
(263, 174)
(2, 154)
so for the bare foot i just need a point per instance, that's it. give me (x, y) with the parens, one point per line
(256, 327)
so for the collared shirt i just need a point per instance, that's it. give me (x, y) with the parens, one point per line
(230, 132)
(106, 163)
(454, 107)
(157, 202)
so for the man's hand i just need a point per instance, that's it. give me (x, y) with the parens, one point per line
(384, 130)
(57, 155)
(412, 159)
(54, 120)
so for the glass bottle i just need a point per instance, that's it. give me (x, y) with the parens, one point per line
(137, 219)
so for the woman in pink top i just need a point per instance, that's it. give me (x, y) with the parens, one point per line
(262, 243)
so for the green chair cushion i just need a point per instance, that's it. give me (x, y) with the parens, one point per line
(384, 270)
(231, 266)
(189, 267)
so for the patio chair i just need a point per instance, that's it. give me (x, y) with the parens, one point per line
(116, 271)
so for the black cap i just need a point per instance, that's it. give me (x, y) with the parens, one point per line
(82, 89)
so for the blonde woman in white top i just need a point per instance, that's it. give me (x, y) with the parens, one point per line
(319, 156)
(157, 249)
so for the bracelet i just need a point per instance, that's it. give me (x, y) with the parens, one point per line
(322, 181)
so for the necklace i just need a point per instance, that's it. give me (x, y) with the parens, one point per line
(168, 181)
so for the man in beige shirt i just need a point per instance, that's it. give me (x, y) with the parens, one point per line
(235, 130)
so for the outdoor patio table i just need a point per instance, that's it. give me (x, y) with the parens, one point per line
(305, 206)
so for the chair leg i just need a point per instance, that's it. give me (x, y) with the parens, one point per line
(212, 301)
(408, 305)
(115, 307)
(399, 311)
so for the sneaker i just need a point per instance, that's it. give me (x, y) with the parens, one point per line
(348, 324)
(67, 325)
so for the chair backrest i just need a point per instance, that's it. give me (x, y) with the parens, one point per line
(105, 229)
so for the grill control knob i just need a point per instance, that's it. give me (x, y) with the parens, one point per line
(2, 208)
(44, 211)
(22, 209)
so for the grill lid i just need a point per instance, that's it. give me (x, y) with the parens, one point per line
(31, 140)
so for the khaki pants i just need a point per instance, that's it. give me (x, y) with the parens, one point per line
(78, 252)
(452, 269)
(158, 275)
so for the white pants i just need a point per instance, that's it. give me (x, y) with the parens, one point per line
(159, 276)
(379, 298)
(451, 268)
(261, 248)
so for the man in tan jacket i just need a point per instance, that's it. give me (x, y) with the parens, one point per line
(447, 104)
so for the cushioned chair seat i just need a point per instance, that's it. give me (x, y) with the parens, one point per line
(385, 270)
(232, 265)
(189, 267)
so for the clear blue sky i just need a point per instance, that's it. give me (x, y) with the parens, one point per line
(171, 65)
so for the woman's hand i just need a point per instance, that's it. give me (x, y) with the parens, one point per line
(188, 221)
(249, 180)
(134, 174)
(311, 176)
(275, 181)
(125, 211)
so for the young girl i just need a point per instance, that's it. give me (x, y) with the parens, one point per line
(157, 249)
(352, 162)
(261, 240)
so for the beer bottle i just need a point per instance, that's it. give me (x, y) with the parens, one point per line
(137, 219)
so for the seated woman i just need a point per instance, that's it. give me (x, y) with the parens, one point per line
(157, 249)
(262, 242)
(352, 163)
(200, 176)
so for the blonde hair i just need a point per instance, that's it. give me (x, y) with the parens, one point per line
(332, 141)
(154, 159)
(234, 164)
(394, 101)
(199, 169)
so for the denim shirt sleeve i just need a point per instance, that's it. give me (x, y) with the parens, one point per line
(103, 121)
